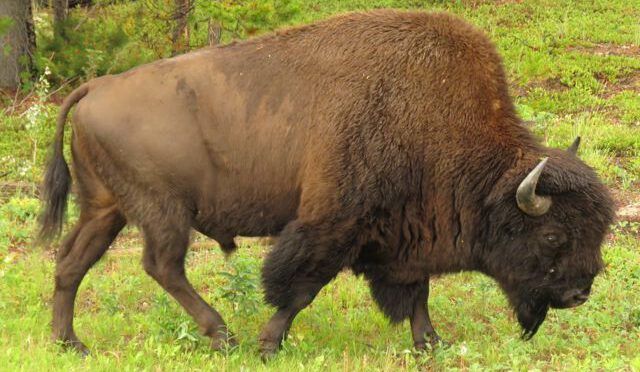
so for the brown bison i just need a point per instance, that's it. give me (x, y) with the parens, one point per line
(383, 142)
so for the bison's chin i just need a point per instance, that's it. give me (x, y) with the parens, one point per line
(531, 314)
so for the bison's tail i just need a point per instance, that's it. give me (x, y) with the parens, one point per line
(57, 179)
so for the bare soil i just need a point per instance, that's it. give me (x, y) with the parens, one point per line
(629, 82)
(606, 49)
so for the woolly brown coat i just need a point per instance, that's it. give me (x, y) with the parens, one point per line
(385, 142)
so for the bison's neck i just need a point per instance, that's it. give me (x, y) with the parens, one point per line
(456, 195)
(441, 229)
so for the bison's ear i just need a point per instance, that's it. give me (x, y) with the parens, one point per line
(565, 173)
(562, 173)
(573, 149)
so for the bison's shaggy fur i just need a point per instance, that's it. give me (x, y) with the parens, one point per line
(385, 142)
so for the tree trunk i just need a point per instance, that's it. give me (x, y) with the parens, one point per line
(18, 43)
(79, 3)
(180, 37)
(214, 31)
(60, 9)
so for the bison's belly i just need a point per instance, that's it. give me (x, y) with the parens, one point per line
(246, 210)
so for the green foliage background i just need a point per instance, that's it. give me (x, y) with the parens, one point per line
(574, 69)
(114, 36)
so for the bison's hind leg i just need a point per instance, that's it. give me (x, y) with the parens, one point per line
(100, 221)
(83, 247)
(166, 238)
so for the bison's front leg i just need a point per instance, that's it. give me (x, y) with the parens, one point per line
(303, 261)
(400, 301)
(421, 327)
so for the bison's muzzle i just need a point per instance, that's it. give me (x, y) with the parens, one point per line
(572, 298)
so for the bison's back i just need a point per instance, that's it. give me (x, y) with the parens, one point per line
(348, 113)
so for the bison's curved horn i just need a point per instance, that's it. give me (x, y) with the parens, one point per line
(573, 149)
(526, 197)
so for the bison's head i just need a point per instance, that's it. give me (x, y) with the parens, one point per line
(544, 234)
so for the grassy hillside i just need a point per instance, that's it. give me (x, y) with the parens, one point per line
(574, 68)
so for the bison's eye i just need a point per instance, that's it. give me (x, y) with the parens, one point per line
(552, 274)
(553, 240)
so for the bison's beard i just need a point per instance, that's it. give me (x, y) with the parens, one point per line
(531, 314)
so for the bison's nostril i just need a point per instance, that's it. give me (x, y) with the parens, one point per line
(582, 295)
(580, 298)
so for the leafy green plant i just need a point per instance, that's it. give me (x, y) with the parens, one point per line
(173, 323)
(93, 44)
(20, 210)
(17, 221)
(241, 18)
(112, 38)
(241, 285)
(39, 114)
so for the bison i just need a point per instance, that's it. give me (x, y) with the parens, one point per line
(382, 142)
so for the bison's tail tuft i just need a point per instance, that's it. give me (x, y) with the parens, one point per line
(57, 179)
(57, 182)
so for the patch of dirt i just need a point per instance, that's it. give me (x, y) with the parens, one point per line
(630, 82)
(629, 213)
(625, 197)
(551, 84)
(477, 3)
(628, 219)
(9, 189)
(517, 90)
(627, 205)
(606, 49)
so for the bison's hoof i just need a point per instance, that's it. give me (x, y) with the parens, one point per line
(76, 346)
(440, 343)
(431, 344)
(268, 349)
(224, 342)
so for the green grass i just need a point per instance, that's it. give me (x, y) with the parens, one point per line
(571, 74)
(129, 322)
